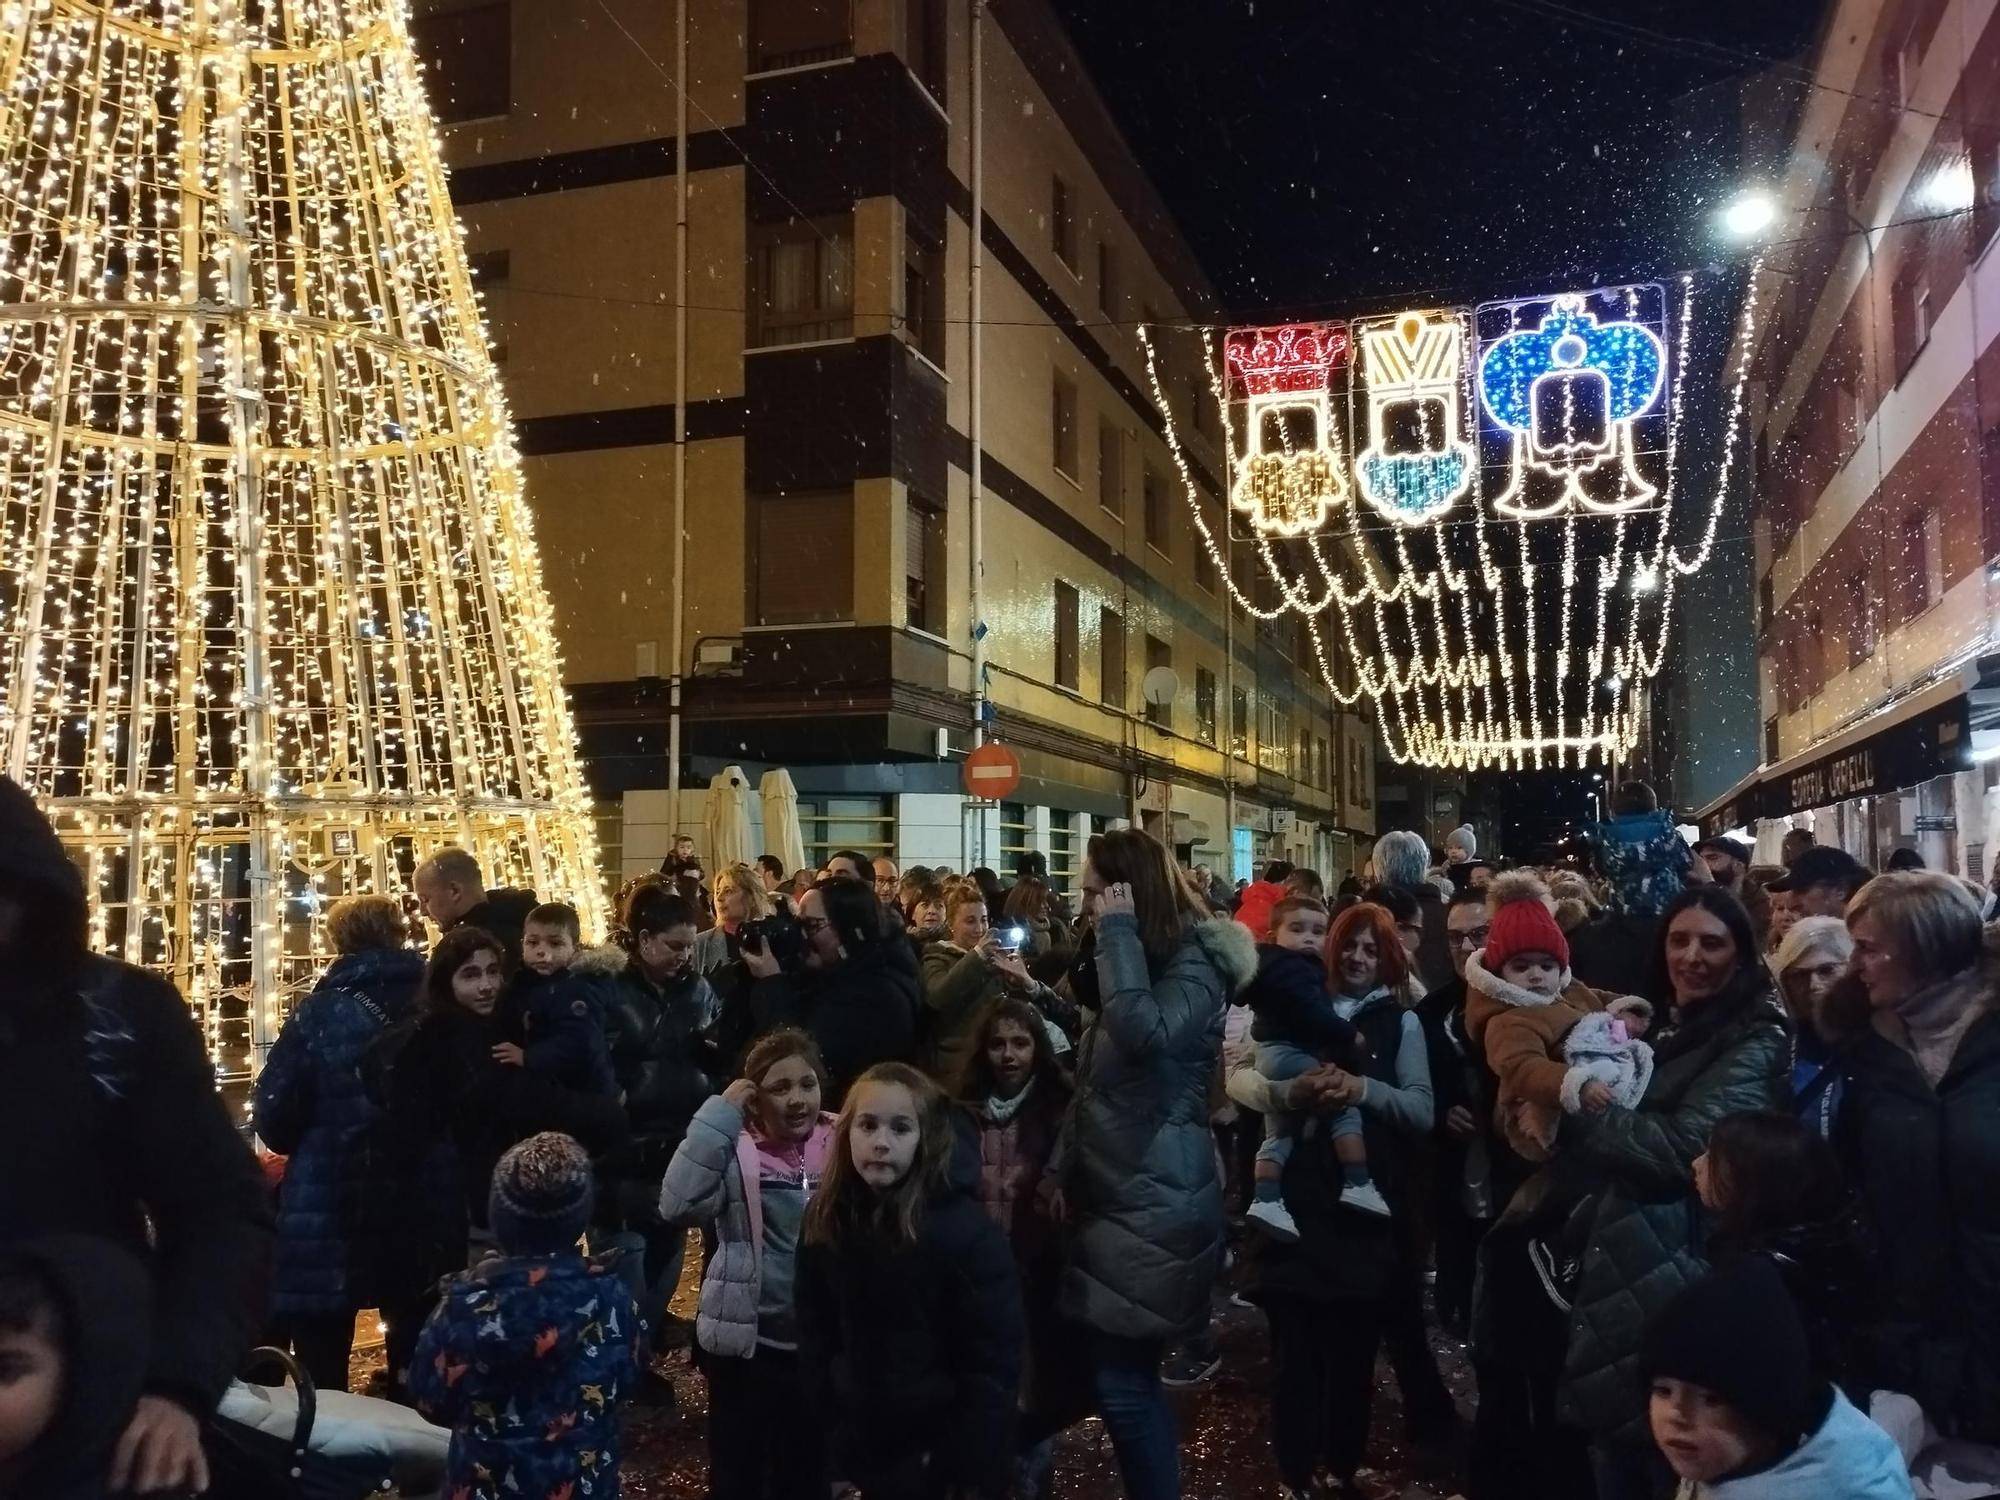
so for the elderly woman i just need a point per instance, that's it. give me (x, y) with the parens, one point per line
(1723, 1050)
(340, 1248)
(1919, 1134)
(1808, 963)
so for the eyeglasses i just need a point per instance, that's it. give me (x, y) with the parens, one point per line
(1472, 937)
(811, 925)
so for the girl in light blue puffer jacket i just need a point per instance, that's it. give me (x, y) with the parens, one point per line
(752, 1159)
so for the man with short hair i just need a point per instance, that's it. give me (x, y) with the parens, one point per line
(888, 879)
(771, 870)
(1727, 859)
(848, 864)
(1795, 843)
(452, 892)
(1821, 880)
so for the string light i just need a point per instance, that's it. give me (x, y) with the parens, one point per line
(1458, 658)
(272, 622)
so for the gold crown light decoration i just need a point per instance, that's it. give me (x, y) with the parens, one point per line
(272, 623)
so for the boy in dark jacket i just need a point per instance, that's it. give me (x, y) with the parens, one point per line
(528, 1356)
(1296, 1029)
(561, 1014)
(74, 1323)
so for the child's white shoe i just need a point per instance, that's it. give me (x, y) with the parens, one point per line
(1272, 1218)
(1366, 1197)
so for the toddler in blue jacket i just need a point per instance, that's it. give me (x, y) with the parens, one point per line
(561, 1013)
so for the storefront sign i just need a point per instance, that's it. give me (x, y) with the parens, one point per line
(1849, 774)
(1936, 823)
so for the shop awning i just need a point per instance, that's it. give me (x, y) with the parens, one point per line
(1950, 724)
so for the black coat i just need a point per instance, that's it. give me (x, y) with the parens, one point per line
(503, 914)
(113, 1127)
(1613, 952)
(911, 1350)
(861, 1012)
(1830, 1270)
(1927, 1164)
(448, 1073)
(664, 1065)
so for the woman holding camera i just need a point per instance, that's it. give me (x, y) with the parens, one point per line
(853, 987)
(973, 966)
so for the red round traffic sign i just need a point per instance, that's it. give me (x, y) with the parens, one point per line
(992, 772)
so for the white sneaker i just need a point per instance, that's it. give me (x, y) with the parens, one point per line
(1366, 1197)
(1275, 1220)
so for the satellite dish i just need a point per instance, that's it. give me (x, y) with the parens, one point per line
(1160, 686)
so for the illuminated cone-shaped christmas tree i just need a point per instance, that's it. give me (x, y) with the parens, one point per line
(272, 625)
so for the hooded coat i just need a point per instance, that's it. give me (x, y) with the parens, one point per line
(114, 1127)
(1926, 1162)
(1646, 1234)
(105, 1307)
(339, 1246)
(1848, 1458)
(1136, 1160)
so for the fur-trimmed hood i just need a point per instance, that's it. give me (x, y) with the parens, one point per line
(606, 961)
(1491, 985)
(1228, 945)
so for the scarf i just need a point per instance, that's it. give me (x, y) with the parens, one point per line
(1936, 1019)
(1002, 1111)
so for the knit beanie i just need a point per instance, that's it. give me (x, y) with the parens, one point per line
(541, 1198)
(1521, 922)
(1464, 839)
(1737, 1333)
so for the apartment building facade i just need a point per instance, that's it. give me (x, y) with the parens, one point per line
(818, 438)
(1876, 423)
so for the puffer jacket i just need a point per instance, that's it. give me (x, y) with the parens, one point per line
(338, 1240)
(1643, 860)
(662, 1062)
(1847, 1458)
(1731, 1055)
(714, 1179)
(1136, 1160)
(1926, 1162)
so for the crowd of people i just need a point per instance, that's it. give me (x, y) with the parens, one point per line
(1701, 1160)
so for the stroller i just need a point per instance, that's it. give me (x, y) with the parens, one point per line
(293, 1443)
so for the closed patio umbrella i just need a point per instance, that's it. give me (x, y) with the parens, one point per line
(783, 835)
(728, 818)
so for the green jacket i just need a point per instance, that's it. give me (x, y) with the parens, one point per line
(958, 986)
(1646, 1232)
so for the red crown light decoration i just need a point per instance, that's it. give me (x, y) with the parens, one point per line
(1291, 358)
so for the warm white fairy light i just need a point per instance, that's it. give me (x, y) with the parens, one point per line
(272, 623)
(1455, 656)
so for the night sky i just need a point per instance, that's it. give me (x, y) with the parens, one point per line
(1333, 155)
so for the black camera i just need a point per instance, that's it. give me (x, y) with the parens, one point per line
(779, 934)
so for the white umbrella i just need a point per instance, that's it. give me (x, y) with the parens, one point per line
(728, 818)
(1770, 839)
(782, 834)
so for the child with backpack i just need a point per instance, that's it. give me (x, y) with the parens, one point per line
(909, 1305)
(750, 1164)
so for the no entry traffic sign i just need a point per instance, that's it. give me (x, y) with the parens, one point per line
(992, 772)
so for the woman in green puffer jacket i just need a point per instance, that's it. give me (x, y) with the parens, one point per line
(1724, 1049)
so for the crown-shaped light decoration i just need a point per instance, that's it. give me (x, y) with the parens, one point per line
(1292, 470)
(1413, 367)
(1286, 360)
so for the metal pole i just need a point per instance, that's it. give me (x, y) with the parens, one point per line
(975, 390)
(678, 632)
(1228, 714)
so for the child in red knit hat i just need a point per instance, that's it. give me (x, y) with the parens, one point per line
(1555, 1045)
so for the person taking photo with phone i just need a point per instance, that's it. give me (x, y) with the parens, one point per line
(974, 965)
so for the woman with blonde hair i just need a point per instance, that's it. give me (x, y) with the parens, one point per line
(1809, 964)
(1919, 1134)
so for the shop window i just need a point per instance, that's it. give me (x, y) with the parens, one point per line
(924, 566)
(1066, 645)
(1204, 705)
(795, 33)
(923, 299)
(1159, 654)
(1062, 427)
(866, 825)
(1014, 835)
(802, 562)
(1065, 863)
(1111, 638)
(467, 52)
(802, 281)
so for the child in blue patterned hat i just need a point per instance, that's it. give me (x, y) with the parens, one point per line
(527, 1356)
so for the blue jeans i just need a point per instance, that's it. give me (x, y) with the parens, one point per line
(1136, 1414)
(650, 1267)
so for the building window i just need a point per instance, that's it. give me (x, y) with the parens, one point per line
(923, 299)
(1062, 428)
(490, 273)
(1813, 654)
(1062, 222)
(924, 46)
(1107, 279)
(1204, 568)
(1159, 654)
(1202, 411)
(1066, 651)
(1204, 705)
(1861, 624)
(1920, 311)
(866, 825)
(802, 281)
(467, 52)
(1239, 723)
(1111, 467)
(1159, 536)
(1766, 601)
(1923, 567)
(1322, 763)
(923, 566)
(802, 564)
(1906, 61)
(1014, 834)
(793, 33)
(1063, 863)
(1111, 639)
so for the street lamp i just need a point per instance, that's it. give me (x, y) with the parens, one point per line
(1749, 214)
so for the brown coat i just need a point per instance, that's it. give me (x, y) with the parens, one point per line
(1522, 1036)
